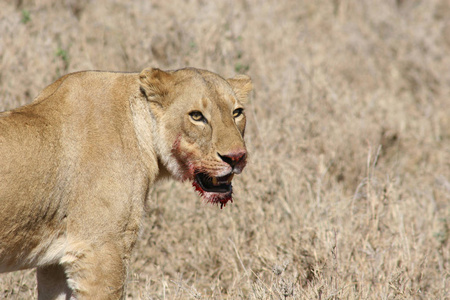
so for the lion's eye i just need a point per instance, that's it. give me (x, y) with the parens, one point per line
(237, 112)
(197, 116)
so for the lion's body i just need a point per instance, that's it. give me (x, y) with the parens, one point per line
(77, 163)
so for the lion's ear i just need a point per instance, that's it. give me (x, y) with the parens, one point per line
(242, 86)
(154, 83)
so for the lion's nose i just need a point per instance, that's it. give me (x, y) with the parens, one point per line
(235, 159)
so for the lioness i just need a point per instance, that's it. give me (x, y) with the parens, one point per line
(77, 163)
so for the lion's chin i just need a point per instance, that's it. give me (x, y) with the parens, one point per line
(216, 197)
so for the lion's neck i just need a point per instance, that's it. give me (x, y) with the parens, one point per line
(163, 171)
(143, 127)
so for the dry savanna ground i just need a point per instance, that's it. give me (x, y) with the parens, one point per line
(347, 193)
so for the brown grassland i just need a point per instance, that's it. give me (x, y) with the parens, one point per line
(347, 192)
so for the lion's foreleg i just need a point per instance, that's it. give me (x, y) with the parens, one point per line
(96, 271)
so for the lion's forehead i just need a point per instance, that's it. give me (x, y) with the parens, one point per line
(205, 84)
(219, 103)
(209, 98)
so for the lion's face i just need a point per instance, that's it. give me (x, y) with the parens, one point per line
(200, 124)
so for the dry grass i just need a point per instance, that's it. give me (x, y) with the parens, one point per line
(348, 190)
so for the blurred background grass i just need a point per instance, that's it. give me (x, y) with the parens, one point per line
(348, 188)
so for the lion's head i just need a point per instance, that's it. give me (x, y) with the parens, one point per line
(199, 127)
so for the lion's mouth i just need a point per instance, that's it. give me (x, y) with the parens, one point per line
(210, 184)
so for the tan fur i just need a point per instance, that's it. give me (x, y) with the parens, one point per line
(77, 163)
